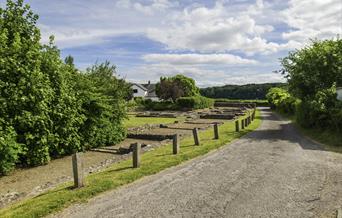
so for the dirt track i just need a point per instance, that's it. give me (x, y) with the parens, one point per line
(272, 172)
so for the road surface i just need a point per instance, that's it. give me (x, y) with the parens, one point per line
(271, 172)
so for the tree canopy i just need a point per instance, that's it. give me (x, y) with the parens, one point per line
(248, 92)
(48, 107)
(176, 87)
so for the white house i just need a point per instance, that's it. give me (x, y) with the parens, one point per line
(146, 91)
(139, 90)
(339, 93)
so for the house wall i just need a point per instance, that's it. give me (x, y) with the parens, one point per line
(339, 94)
(140, 92)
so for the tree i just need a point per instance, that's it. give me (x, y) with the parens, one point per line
(176, 87)
(314, 68)
(24, 90)
(313, 73)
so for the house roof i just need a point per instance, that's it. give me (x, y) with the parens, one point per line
(140, 86)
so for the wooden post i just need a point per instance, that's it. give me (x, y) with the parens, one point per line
(136, 154)
(175, 144)
(242, 124)
(237, 125)
(216, 132)
(77, 168)
(196, 138)
(246, 122)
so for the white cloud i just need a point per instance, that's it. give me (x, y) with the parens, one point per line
(213, 30)
(203, 76)
(195, 59)
(313, 19)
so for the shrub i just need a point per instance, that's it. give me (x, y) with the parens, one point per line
(9, 149)
(196, 102)
(281, 100)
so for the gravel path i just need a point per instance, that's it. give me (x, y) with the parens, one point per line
(271, 172)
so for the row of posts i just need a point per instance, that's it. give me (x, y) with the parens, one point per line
(77, 164)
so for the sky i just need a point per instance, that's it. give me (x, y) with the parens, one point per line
(215, 42)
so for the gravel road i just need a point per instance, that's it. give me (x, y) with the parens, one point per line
(271, 172)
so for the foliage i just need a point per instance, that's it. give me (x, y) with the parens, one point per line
(282, 100)
(195, 102)
(48, 108)
(313, 73)
(159, 105)
(103, 103)
(9, 149)
(24, 90)
(176, 87)
(241, 92)
(258, 102)
(314, 68)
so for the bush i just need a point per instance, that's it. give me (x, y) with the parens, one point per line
(9, 149)
(323, 111)
(159, 105)
(281, 100)
(51, 109)
(196, 102)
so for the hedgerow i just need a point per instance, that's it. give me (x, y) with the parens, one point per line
(49, 108)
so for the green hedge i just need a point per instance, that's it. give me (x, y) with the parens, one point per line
(196, 102)
(258, 102)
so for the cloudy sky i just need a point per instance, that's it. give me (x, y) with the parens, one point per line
(215, 42)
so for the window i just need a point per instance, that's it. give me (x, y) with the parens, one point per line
(135, 90)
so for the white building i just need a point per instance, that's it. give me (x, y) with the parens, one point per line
(339, 93)
(146, 91)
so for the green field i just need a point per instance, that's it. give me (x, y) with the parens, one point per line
(122, 173)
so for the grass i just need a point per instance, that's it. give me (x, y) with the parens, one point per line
(330, 140)
(134, 121)
(122, 173)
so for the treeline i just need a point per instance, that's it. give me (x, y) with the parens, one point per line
(48, 107)
(249, 91)
(313, 74)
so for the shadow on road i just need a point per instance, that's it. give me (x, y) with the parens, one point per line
(277, 129)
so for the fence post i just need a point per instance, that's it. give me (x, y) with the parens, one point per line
(242, 124)
(175, 144)
(216, 132)
(77, 168)
(136, 154)
(196, 138)
(237, 125)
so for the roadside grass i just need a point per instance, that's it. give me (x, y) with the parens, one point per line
(122, 173)
(134, 121)
(331, 141)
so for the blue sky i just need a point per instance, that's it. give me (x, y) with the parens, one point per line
(215, 42)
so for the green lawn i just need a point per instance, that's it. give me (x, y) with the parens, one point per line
(134, 121)
(122, 173)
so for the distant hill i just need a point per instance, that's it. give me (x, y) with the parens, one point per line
(249, 91)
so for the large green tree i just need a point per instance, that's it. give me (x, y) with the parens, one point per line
(176, 87)
(314, 68)
(24, 89)
(313, 74)
(48, 107)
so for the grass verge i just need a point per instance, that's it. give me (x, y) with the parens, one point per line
(331, 141)
(122, 173)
